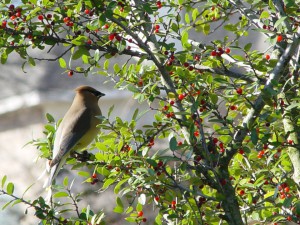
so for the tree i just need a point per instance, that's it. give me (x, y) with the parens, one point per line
(229, 113)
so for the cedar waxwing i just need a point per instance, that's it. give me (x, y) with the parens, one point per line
(77, 129)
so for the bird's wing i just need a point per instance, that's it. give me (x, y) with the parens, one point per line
(71, 134)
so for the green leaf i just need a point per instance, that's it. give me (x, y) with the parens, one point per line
(62, 63)
(279, 22)
(7, 204)
(66, 181)
(184, 38)
(187, 18)
(254, 136)
(230, 27)
(80, 52)
(106, 64)
(10, 188)
(17, 201)
(147, 8)
(297, 205)
(60, 194)
(3, 57)
(84, 174)
(213, 98)
(195, 13)
(247, 47)
(31, 61)
(173, 144)
(132, 88)
(206, 28)
(80, 40)
(97, 55)
(49, 118)
(119, 185)
(3, 181)
(108, 182)
(117, 68)
(119, 208)
(110, 110)
(135, 114)
(264, 15)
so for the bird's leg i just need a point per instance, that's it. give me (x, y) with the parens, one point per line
(82, 157)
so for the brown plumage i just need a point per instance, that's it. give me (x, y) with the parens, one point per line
(77, 129)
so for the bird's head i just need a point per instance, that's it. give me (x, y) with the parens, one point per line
(89, 92)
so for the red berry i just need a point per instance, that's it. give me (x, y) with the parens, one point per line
(11, 7)
(156, 198)
(241, 151)
(267, 56)
(279, 38)
(66, 19)
(191, 68)
(87, 11)
(181, 96)
(112, 36)
(156, 27)
(286, 189)
(241, 192)
(172, 102)
(186, 64)
(213, 53)
(18, 14)
(40, 17)
(196, 133)
(144, 220)
(49, 16)
(215, 140)
(160, 163)
(140, 83)
(140, 213)
(89, 42)
(4, 23)
(289, 218)
(233, 107)
(220, 50)
(239, 91)
(70, 24)
(118, 38)
(227, 50)
(179, 143)
(94, 175)
(70, 73)
(106, 26)
(158, 4)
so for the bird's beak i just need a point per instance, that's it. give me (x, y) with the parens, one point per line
(100, 94)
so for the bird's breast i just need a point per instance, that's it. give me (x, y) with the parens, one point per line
(89, 136)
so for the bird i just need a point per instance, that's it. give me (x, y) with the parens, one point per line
(77, 129)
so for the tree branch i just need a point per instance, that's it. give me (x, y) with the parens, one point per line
(259, 104)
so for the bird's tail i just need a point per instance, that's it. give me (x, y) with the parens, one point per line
(53, 172)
